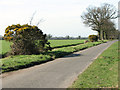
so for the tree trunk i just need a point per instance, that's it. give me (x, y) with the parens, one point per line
(105, 36)
(101, 34)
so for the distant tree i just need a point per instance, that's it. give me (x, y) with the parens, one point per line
(67, 37)
(26, 39)
(79, 37)
(49, 36)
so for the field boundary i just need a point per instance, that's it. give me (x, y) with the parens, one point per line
(44, 58)
(66, 45)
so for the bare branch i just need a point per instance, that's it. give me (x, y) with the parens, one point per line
(41, 20)
(32, 17)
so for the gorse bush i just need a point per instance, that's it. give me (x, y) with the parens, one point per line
(26, 39)
(93, 38)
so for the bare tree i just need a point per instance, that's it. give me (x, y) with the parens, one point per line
(95, 16)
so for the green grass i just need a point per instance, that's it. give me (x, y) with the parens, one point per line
(4, 46)
(54, 44)
(23, 61)
(64, 43)
(103, 72)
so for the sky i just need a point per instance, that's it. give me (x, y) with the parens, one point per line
(58, 17)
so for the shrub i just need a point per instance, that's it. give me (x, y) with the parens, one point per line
(93, 38)
(26, 39)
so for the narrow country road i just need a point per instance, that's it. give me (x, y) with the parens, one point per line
(59, 73)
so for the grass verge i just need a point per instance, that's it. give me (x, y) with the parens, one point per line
(102, 73)
(23, 61)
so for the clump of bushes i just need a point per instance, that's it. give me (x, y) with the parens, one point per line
(93, 38)
(26, 39)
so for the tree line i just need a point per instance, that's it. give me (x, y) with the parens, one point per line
(100, 19)
(49, 36)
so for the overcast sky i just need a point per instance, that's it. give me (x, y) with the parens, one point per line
(60, 17)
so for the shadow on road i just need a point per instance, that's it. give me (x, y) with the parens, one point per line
(73, 55)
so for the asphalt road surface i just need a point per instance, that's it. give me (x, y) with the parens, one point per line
(59, 73)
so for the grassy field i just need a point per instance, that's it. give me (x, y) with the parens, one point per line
(103, 72)
(22, 61)
(54, 44)
(4, 46)
(64, 43)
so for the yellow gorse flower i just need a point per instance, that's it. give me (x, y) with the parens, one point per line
(7, 30)
(15, 29)
(10, 33)
(20, 30)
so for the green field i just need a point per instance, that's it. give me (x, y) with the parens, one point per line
(54, 44)
(4, 46)
(22, 61)
(103, 72)
(64, 43)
